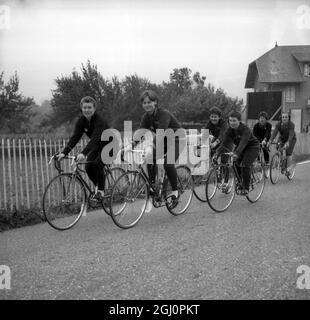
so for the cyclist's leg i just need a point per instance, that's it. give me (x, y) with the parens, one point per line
(266, 155)
(170, 167)
(289, 152)
(281, 145)
(249, 156)
(152, 169)
(94, 169)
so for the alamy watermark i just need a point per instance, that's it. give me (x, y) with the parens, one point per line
(303, 19)
(166, 144)
(303, 281)
(5, 277)
(5, 17)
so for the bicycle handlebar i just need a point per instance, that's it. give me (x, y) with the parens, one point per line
(73, 162)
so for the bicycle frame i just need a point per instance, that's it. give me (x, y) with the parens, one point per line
(152, 186)
(231, 163)
(77, 170)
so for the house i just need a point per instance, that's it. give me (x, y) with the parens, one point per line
(285, 69)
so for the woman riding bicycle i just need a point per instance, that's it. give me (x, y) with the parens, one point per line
(92, 124)
(155, 118)
(217, 127)
(246, 150)
(262, 131)
(287, 136)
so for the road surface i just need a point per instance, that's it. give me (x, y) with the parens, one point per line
(251, 251)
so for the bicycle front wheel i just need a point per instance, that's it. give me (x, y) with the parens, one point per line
(275, 168)
(257, 183)
(185, 189)
(129, 197)
(220, 188)
(64, 201)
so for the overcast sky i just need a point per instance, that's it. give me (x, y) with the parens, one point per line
(217, 38)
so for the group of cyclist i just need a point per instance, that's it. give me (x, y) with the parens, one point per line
(231, 135)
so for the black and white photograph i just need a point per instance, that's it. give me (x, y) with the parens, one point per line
(154, 154)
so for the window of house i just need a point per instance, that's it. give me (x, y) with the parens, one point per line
(290, 94)
(307, 69)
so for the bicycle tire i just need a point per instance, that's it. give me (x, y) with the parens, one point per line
(292, 172)
(185, 187)
(130, 187)
(213, 182)
(110, 179)
(55, 190)
(275, 168)
(257, 176)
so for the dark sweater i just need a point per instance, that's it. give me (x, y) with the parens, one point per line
(262, 132)
(242, 137)
(217, 130)
(93, 129)
(161, 119)
(287, 131)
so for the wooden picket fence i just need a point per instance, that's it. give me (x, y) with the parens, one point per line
(25, 170)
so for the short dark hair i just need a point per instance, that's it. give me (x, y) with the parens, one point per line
(286, 112)
(152, 95)
(263, 114)
(88, 99)
(235, 114)
(216, 110)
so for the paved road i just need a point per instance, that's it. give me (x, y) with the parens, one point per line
(251, 251)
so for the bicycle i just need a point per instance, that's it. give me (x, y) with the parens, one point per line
(134, 188)
(278, 164)
(224, 181)
(66, 196)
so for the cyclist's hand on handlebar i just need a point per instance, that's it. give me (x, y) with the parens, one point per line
(60, 156)
(213, 145)
(80, 157)
(285, 145)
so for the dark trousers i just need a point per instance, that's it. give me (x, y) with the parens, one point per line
(290, 147)
(169, 168)
(244, 163)
(266, 155)
(94, 169)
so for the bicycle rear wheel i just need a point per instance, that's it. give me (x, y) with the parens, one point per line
(112, 176)
(257, 182)
(200, 187)
(128, 199)
(275, 168)
(291, 169)
(220, 193)
(64, 201)
(185, 189)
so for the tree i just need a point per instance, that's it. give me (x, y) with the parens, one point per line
(15, 109)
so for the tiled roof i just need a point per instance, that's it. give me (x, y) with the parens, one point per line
(302, 56)
(278, 65)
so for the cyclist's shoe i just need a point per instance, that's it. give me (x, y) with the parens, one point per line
(174, 199)
(244, 192)
(149, 205)
(226, 188)
(99, 196)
